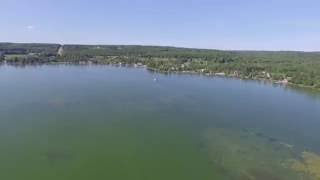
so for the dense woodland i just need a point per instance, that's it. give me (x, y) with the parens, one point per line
(299, 68)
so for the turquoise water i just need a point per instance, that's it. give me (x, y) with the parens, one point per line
(102, 122)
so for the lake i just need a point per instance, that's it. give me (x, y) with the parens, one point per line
(73, 122)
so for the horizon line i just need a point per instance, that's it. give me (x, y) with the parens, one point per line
(169, 46)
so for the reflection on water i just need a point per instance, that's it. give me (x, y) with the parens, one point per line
(102, 122)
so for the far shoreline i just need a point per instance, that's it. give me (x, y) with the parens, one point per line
(86, 63)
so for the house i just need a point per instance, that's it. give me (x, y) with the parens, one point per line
(284, 81)
(268, 75)
(138, 65)
(220, 74)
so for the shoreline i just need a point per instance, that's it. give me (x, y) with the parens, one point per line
(271, 81)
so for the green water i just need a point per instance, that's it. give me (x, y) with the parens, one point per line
(71, 122)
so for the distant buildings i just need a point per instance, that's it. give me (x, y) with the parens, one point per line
(284, 81)
(60, 51)
(220, 74)
(266, 74)
(139, 65)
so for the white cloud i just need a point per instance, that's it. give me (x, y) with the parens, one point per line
(30, 27)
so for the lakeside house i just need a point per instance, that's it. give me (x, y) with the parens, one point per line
(266, 74)
(284, 81)
(139, 65)
(220, 74)
(60, 51)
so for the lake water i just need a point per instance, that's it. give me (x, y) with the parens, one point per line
(72, 122)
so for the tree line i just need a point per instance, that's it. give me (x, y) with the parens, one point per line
(302, 68)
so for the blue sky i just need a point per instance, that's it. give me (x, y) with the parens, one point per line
(214, 24)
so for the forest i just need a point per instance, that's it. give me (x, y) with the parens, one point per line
(293, 67)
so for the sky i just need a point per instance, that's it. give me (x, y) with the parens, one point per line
(211, 24)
